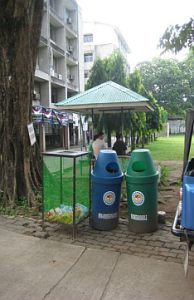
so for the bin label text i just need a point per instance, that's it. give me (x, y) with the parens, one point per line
(139, 217)
(108, 216)
(138, 198)
(109, 198)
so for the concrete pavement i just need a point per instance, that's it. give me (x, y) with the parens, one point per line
(37, 268)
(159, 245)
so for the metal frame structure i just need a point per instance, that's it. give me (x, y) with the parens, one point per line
(74, 155)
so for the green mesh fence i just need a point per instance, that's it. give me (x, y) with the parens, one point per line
(124, 162)
(58, 187)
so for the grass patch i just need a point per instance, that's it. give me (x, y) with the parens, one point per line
(164, 175)
(171, 148)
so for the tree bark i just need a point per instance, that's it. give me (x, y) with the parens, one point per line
(20, 27)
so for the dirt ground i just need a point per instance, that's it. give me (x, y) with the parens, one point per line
(167, 194)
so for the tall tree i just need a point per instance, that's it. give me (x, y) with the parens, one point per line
(137, 120)
(164, 79)
(187, 69)
(144, 124)
(111, 68)
(116, 72)
(20, 23)
(177, 37)
(98, 73)
(116, 67)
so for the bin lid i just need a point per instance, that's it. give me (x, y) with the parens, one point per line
(107, 165)
(141, 164)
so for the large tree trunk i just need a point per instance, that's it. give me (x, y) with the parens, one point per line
(20, 26)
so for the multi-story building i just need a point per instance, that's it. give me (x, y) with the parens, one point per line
(60, 61)
(101, 39)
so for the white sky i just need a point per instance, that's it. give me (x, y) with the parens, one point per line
(141, 22)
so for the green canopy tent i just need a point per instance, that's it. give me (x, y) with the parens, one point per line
(108, 97)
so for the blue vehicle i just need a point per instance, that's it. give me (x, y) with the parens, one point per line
(183, 225)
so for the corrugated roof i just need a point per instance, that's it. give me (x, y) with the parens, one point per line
(108, 95)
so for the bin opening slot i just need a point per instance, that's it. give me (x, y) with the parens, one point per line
(139, 166)
(112, 167)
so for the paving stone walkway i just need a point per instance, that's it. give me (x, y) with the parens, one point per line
(160, 244)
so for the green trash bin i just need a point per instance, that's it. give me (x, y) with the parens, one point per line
(142, 192)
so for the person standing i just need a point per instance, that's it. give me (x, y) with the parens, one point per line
(90, 146)
(88, 137)
(98, 144)
(119, 146)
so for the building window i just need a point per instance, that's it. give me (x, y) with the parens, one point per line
(37, 60)
(88, 38)
(53, 33)
(69, 94)
(86, 73)
(37, 87)
(55, 64)
(54, 95)
(36, 95)
(88, 57)
(53, 4)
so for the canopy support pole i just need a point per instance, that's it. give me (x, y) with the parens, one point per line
(122, 121)
(83, 140)
(81, 132)
(62, 136)
(67, 138)
(42, 137)
(92, 124)
(129, 127)
(103, 129)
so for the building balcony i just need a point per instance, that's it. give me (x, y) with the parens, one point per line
(72, 88)
(72, 4)
(72, 61)
(56, 82)
(40, 75)
(55, 19)
(57, 51)
(43, 42)
(70, 32)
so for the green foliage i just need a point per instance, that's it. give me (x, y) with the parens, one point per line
(39, 202)
(134, 82)
(187, 69)
(111, 68)
(164, 175)
(141, 124)
(165, 80)
(144, 124)
(20, 207)
(116, 67)
(164, 115)
(98, 73)
(178, 37)
(175, 39)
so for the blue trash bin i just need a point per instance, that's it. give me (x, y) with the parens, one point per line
(187, 219)
(106, 191)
